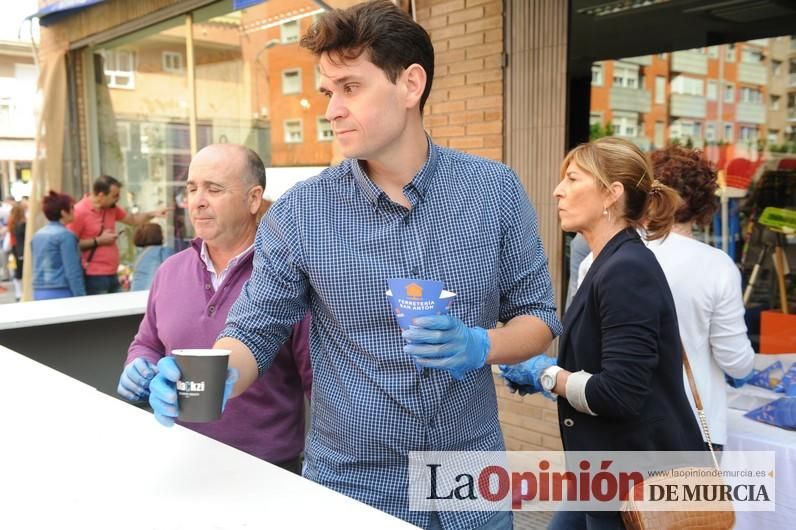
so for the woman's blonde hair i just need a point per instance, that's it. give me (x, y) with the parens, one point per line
(647, 202)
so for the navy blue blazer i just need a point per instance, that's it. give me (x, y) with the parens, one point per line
(622, 328)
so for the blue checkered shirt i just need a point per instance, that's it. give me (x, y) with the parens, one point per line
(330, 244)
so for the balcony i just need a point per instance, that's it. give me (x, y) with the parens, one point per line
(752, 73)
(630, 99)
(750, 113)
(687, 106)
(641, 60)
(792, 80)
(792, 114)
(690, 62)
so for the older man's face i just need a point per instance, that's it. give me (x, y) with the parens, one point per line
(219, 203)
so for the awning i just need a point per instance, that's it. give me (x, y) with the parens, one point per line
(59, 9)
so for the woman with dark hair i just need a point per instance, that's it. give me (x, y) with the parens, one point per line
(708, 297)
(149, 237)
(57, 272)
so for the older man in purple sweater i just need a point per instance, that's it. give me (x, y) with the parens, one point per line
(189, 301)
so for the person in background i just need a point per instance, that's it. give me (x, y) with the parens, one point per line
(192, 293)
(6, 206)
(149, 238)
(56, 260)
(619, 372)
(95, 226)
(708, 297)
(17, 223)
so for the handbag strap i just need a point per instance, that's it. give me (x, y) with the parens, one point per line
(698, 403)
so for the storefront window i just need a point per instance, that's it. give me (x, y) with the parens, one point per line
(254, 85)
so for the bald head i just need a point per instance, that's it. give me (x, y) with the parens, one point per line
(244, 162)
(224, 191)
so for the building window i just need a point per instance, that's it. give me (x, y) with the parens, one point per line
(660, 131)
(751, 56)
(291, 82)
(172, 62)
(713, 91)
(713, 52)
(710, 132)
(683, 130)
(660, 89)
(751, 95)
(325, 133)
(728, 133)
(119, 68)
(688, 85)
(294, 133)
(597, 75)
(776, 67)
(729, 53)
(774, 102)
(773, 136)
(729, 93)
(289, 31)
(625, 124)
(748, 133)
(626, 76)
(6, 112)
(662, 56)
(595, 118)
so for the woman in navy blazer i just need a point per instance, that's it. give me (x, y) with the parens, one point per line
(619, 371)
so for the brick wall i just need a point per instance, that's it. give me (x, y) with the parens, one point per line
(465, 111)
(465, 108)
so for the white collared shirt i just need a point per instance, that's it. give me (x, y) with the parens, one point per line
(215, 278)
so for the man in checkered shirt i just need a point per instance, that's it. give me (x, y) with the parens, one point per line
(399, 206)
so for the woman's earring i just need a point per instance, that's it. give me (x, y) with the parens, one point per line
(605, 210)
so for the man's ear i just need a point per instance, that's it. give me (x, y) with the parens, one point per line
(415, 80)
(255, 198)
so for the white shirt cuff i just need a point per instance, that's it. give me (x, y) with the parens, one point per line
(576, 391)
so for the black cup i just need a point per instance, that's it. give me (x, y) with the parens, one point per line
(200, 390)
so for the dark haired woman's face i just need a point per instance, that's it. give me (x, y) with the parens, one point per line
(67, 216)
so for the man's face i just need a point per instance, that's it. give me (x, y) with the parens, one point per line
(368, 113)
(221, 204)
(110, 199)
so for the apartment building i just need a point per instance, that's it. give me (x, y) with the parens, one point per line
(732, 95)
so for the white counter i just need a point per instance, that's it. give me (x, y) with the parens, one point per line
(44, 312)
(74, 458)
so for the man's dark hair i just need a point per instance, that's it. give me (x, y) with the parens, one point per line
(103, 184)
(392, 40)
(256, 168)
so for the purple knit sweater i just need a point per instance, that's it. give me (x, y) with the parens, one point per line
(184, 311)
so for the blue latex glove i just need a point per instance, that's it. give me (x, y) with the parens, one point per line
(446, 343)
(135, 378)
(526, 376)
(785, 412)
(741, 381)
(163, 390)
